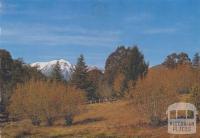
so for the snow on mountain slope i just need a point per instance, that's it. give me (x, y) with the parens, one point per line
(47, 67)
(90, 68)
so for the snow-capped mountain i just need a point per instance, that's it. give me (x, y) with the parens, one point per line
(65, 66)
(90, 68)
(47, 67)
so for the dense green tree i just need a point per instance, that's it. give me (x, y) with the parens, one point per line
(22, 72)
(115, 63)
(5, 75)
(171, 61)
(183, 59)
(128, 61)
(174, 59)
(196, 60)
(136, 67)
(79, 77)
(56, 73)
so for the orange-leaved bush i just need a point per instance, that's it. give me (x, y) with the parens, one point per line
(46, 101)
(160, 88)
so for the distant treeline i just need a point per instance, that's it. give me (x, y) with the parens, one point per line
(123, 66)
(126, 74)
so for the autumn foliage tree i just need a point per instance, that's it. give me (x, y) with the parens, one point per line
(94, 78)
(118, 84)
(195, 96)
(162, 87)
(12, 72)
(195, 89)
(153, 94)
(45, 101)
(104, 91)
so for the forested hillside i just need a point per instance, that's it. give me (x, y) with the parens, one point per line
(28, 95)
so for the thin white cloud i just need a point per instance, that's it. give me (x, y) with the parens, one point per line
(49, 35)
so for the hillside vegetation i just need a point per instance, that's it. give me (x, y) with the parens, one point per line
(48, 107)
(101, 120)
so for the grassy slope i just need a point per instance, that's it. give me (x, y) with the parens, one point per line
(100, 120)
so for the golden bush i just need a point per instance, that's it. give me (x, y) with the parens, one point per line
(45, 101)
(160, 88)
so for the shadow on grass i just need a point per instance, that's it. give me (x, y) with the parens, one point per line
(88, 121)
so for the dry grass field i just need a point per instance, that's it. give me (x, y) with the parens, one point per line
(105, 120)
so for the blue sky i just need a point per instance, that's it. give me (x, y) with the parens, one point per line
(43, 30)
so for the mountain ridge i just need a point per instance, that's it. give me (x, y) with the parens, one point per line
(65, 66)
(47, 67)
